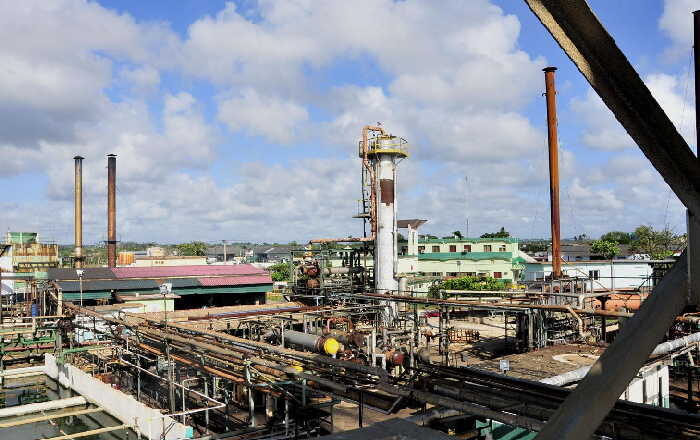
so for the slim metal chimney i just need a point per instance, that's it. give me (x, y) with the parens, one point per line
(78, 211)
(111, 210)
(551, 94)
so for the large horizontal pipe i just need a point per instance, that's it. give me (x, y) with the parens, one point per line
(342, 270)
(32, 408)
(241, 343)
(580, 373)
(318, 343)
(505, 306)
(21, 371)
(346, 338)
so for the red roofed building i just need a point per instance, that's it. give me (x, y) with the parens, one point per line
(195, 286)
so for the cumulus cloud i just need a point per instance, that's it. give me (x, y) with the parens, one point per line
(677, 22)
(603, 132)
(276, 119)
(459, 95)
(143, 79)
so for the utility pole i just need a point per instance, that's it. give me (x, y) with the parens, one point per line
(553, 168)
(224, 241)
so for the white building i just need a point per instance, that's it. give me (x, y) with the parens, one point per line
(620, 274)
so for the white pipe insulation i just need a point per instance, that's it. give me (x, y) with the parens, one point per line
(663, 348)
(33, 408)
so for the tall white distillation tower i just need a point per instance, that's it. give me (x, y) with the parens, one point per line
(381, 152)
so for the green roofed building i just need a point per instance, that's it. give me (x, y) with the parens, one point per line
(498, 258)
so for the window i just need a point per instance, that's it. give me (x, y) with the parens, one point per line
(404, 250)
(471, 274)
(498, 274)
(594, 274)
(436, 248)
(467, 248)
(502, 248)
(451, 274)
(487, 248)
(453, 248)
(421, 249)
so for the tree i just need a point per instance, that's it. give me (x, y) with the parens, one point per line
(618, 237)
(500, 234)
(400, 237)
(606, 248)
(280, 271)
(193, 248)
(467, 283)
(458, 235)
(657, 244)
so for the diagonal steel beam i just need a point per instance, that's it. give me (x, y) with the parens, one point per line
(593, 50)
(586, 407)
(584, 39)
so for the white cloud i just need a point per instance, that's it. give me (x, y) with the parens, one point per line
(144, 79)
(276, 119)
(57, 60)
(603, 132)
(677, 22)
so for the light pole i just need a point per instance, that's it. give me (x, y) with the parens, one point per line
(165, 290)
(80, 280)
(224, 241)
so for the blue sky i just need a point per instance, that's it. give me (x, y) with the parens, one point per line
(240, 120)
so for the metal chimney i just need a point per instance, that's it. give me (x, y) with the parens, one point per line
(551, 94)
(111, 210)
(78, 211)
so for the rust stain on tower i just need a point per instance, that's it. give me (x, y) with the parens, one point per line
(111, 210)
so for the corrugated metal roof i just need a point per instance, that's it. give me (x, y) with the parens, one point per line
(88, 273)
(74, 286)
(236, 281)
(184, 282)
(184, 271)
(225, 290)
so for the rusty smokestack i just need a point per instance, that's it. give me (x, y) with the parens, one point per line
(78, 211)
(111, 210)
(551, 95)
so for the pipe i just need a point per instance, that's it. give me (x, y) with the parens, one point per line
(24, 370)
(342, 270)
(49, 417)
(663, 348)
(32, 408)
(467, 407)
(89, 433)
(111, 210)
(553, 167)
(78, 211)
(346, 338)
(320, 344)
(433, 414)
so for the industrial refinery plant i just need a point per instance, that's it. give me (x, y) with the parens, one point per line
(384, 333)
